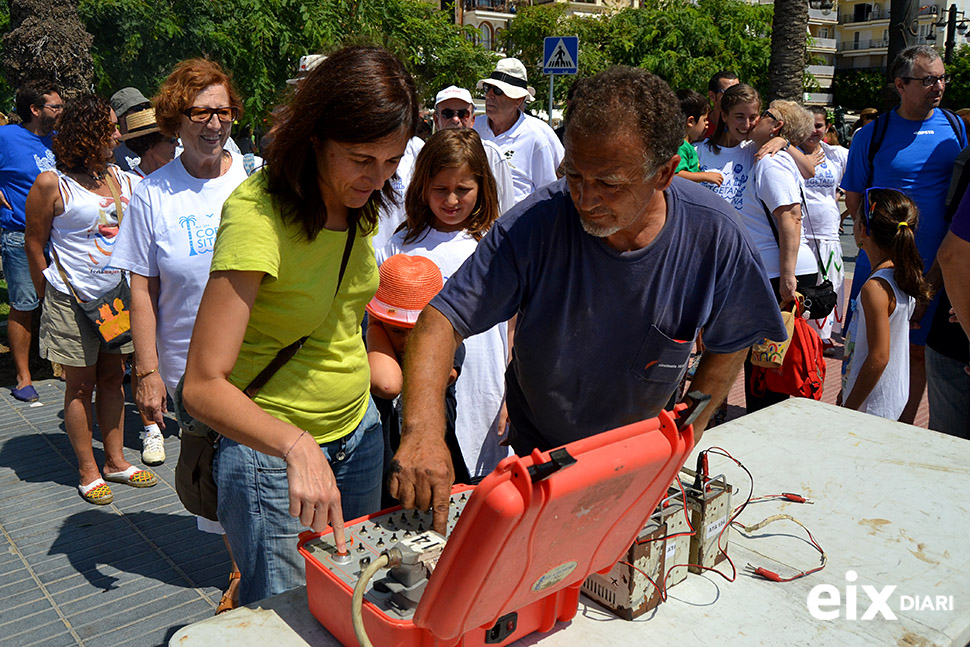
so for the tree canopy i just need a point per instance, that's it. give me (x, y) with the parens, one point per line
(682, 42)
(259, 42)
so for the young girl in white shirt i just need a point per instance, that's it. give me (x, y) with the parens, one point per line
(876, 369)
(451, 203)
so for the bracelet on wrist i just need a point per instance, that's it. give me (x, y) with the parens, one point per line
(146, 373)
(294, 444)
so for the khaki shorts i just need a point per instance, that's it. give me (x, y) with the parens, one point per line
(66, 335)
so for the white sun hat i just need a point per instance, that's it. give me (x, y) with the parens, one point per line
(307, 63)
(510, 77)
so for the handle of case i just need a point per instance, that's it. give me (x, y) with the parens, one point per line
(559, 459)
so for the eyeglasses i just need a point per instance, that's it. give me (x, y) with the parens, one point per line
(448, 113)
(767, 113)
(929, 81)
(200, 115)
(497, 91)
(55, 107)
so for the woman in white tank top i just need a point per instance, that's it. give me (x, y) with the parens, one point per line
(74, 209)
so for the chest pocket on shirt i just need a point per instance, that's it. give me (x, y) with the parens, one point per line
(662, 359)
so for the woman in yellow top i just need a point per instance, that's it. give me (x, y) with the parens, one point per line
(308, 449)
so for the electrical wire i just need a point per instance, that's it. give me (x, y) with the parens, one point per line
(357, 601)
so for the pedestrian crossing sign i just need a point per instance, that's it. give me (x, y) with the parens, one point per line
(561, 55)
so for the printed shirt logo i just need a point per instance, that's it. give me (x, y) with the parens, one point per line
(46, 163)
(103, 234)
(201, 231)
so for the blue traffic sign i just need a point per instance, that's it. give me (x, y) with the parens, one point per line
(561, 55)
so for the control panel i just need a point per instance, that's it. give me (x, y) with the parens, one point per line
(396, 591)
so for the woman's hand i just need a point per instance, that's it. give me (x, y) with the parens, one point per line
(151, 397)
(314, 497)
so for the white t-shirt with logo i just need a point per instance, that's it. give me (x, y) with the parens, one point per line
(532, 153)
(736, 164)
(480, 390)
(822, 215)
(778, 183)
(168, 232)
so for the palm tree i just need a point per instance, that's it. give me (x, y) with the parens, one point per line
(789, 27)
(188, 222)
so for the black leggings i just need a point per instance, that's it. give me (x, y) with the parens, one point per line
(754, 402)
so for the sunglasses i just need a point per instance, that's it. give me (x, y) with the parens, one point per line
(200, 115)
(767, 113)
(448, 113)
(494, 89)
(868, 207)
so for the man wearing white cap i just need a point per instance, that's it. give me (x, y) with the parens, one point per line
(529, 144)
(453, 108)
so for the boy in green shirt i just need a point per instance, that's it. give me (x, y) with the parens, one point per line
(694, 106)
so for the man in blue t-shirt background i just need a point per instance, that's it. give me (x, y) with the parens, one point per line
(611, 273)
(916, 157)
(25, 152)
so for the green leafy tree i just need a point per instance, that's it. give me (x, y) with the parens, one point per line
(858, 89)
(260, 41)
(957, 93)
(683, 42)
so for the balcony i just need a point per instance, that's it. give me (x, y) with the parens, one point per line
(819, 16)
(497, 6)
(820, 70)
(821, 44)
(817, 98)
(870, 16)
(863, 45)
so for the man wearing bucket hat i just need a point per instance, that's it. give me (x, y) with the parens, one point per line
(453, 108)
(603, 274)
(124, 102)
(529, 144)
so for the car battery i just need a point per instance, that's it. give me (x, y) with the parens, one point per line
(625, 590)
(710, 514)
(677, 543)
(517, 549)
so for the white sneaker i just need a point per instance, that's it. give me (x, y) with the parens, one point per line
(153, 449)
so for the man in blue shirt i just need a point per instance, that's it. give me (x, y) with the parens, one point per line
(611, 273)
(916, 157)
(25, 152)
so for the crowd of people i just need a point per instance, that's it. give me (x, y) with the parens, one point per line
(364, 315)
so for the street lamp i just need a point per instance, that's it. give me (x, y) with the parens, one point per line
(953, 25)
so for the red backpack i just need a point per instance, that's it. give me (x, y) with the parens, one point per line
(803, 370)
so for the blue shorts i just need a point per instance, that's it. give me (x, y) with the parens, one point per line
(20, 288)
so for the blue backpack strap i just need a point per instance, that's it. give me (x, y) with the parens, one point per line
(879, 129)
(249, 163)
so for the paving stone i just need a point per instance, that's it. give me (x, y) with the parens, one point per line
(41, 631)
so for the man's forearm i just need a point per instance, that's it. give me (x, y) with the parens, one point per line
(715, 376)
(952, 258)
(428, 360)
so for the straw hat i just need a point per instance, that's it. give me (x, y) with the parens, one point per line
(137, 124)
(407, 284)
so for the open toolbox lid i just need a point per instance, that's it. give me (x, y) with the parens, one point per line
(541, 523)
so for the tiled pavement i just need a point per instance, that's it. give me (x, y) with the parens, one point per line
(129, 573)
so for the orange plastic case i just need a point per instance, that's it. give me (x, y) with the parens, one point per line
(529, 535)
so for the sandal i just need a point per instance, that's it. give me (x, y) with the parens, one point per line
(230, 599)
(133, 477)
(96, 492)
